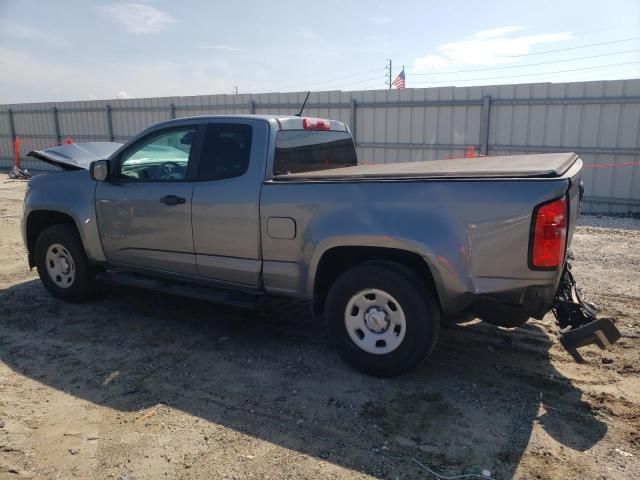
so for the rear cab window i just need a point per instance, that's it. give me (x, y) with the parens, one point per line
(309, 150)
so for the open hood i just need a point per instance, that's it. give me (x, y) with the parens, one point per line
(76, 156)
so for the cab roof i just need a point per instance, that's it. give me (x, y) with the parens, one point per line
(285, 122)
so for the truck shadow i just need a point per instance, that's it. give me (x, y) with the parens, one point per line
(273, 375)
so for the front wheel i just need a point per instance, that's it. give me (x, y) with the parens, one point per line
(383, 318)
(62, 264)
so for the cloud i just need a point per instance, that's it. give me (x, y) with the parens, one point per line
(497, 32)
(431, 61)
(488, 47)
(137, 18)
(123, 95)
(99, 79)
(380, 20)
(19, 31)
(227, 48)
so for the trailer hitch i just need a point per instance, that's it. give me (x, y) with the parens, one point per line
(577, 318)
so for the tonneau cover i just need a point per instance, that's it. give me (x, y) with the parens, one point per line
(516, 166)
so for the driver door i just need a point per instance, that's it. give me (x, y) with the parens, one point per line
(144, 213)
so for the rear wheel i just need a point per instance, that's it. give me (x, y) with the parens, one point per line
(62, 264)
(382, 318)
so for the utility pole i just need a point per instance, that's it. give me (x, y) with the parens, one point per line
(388, 67)
(235, 89)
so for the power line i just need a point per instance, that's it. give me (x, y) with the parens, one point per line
(368, 85)
(378, 78)
(334, 79)
(361, 81)
(565, 49)
(533, 74)
(618, 70)
(575, 48)
(528, 64)
(338, 79)
(387, 68)
(627, 70)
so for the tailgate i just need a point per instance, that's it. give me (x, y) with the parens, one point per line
(574, 197)
(576, 317)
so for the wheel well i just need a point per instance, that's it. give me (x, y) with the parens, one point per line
(39, 221)
(338, 260)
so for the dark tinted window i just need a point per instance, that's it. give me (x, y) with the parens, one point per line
(225, 152)
(307, 151)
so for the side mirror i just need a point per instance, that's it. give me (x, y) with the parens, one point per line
(100, 170)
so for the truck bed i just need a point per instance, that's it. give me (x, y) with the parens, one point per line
(551, 165)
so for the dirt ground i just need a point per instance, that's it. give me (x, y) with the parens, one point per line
(140, 385)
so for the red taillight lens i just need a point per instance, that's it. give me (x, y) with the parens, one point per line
(316, 124)
(549, 234)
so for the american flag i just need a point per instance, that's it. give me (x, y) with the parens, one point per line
(399, 81)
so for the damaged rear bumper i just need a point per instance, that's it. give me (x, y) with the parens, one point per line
(577, 319)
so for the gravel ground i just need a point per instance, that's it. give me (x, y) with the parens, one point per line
(145, 386)
(620, 222)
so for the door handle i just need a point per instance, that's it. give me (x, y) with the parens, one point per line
(172, 200)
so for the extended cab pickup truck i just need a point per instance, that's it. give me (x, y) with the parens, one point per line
(230, 208)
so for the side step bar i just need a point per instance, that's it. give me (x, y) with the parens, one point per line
(200, 292)
(577, 319)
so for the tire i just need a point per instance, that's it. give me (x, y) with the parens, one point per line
(62, 264)
(375, 341)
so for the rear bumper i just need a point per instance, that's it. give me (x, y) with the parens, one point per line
(577, 319)
(513, 308)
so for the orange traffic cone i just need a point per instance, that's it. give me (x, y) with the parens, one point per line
(16, 152)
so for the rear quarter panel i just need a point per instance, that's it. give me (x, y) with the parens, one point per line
(473, 234)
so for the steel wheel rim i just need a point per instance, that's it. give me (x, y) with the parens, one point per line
(375, 321)
(60, 266)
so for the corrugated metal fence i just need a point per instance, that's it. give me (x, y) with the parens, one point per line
(598, 120)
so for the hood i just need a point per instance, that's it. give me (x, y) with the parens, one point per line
(76, 156)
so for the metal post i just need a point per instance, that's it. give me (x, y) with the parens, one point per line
(112, 137)
(352, 120)
(252, 107)
(172, 111)
(15, 141)
(12, 125)
(56, 125)
(485, 118)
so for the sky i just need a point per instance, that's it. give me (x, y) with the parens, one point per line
(86, 50)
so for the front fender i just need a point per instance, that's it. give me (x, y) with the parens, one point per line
(70, 193)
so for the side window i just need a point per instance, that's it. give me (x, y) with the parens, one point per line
(163, 157)
(226, 151)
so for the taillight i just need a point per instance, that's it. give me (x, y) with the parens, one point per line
(316, 124)
(549, 233)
